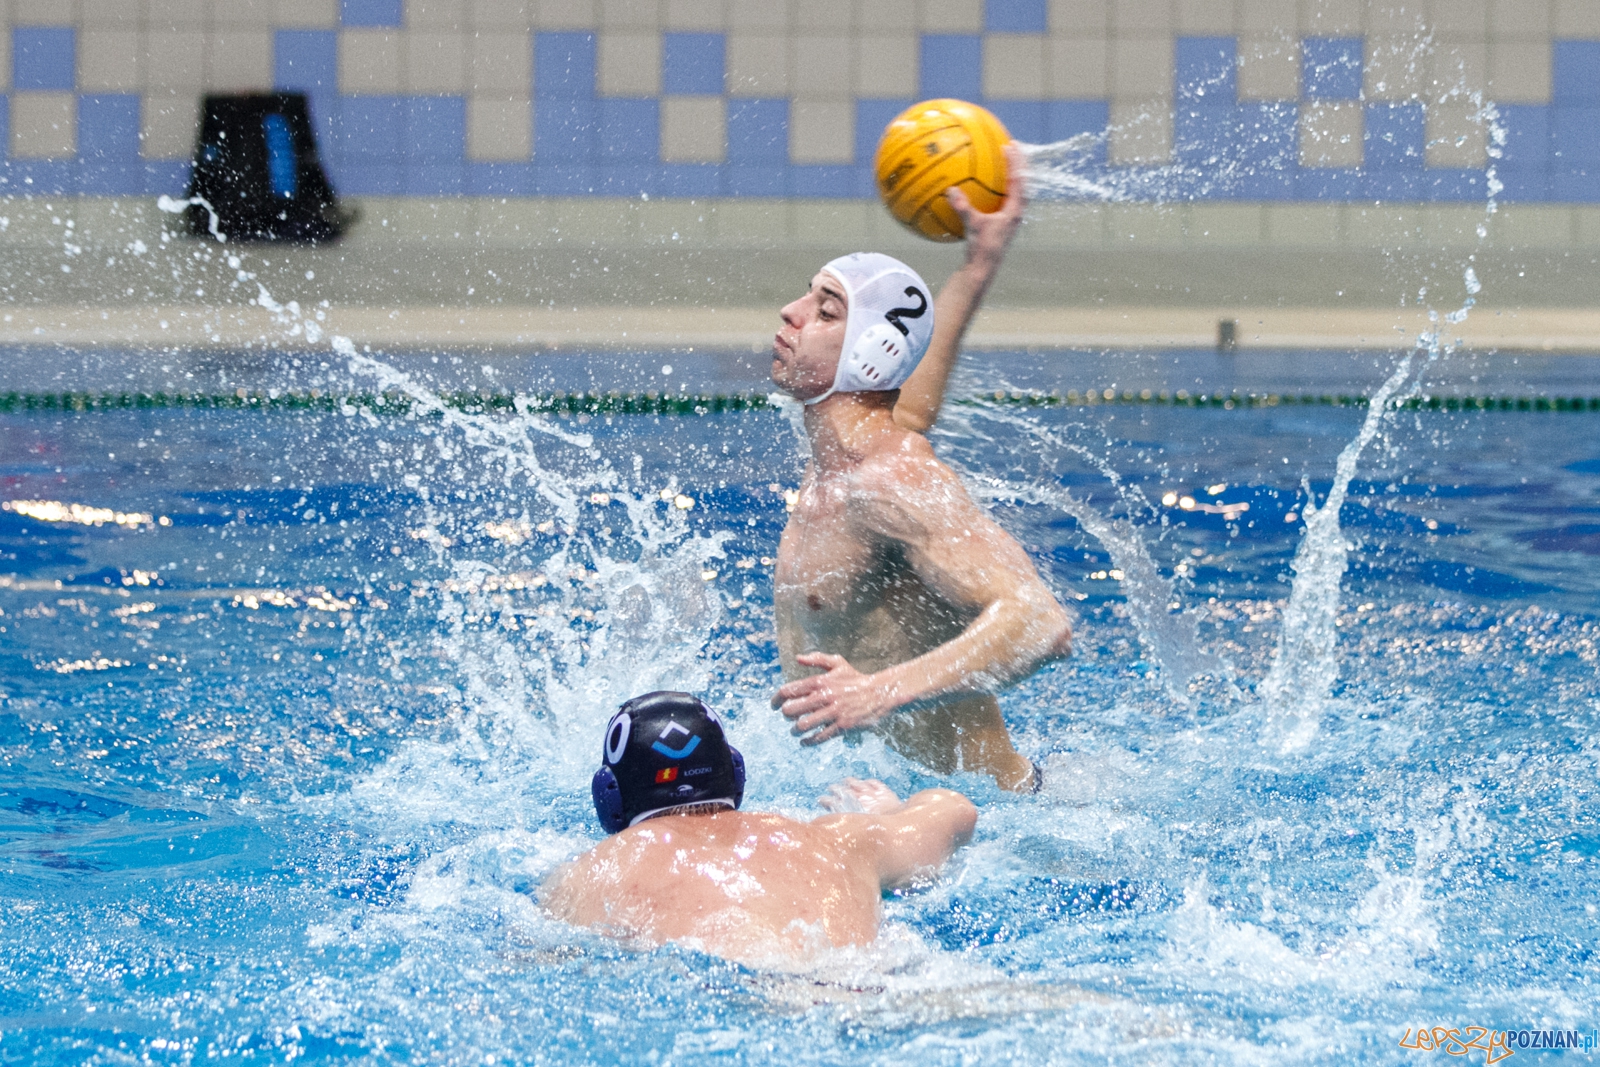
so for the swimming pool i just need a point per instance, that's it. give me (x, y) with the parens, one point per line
(296, 717)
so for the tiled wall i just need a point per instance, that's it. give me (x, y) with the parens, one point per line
(1201, 99)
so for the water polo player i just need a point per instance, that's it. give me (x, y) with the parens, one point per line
(900, 605)
(685, 865)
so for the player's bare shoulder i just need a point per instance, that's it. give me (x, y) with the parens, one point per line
(900, 488)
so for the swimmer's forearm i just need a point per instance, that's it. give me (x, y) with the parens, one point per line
(1009, 641)
(953, 310)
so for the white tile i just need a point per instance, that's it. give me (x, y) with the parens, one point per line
(174, 60)
(1205, 16)
(758, 14)
(1396, 68)
(499, 14)
(820, 66)
(435, 61)
(499, 128)
(630, 14)
(1393, 18)
(1269, 68)
(307, 14)
(822, 131)
(1456, 136)
(1577, 18)
(758, 65)
(886, 65)
(109, 61)
(1331, 17)
(1458, 66)
(1269, 17)
(630, 64)
(1519, 71)
(369, 61)
(1459, 18)
(1014, 66)
(239, 60)
(1141, 16)
(706, 16)
(44, 125)
(951, 16)
(1141, 132)
(1079, 68)
(824, 16)
(241, 14)
(1519, 19)
(500, 64)
(1080, 18)
(886, 16)
(168, 125)
(1332, 134)
(1141, 67)
(694, 129)
(565, 15)
(109, 14)
(44, 13)
(176, 14)
(438, 15)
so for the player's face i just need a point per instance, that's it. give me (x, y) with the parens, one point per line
(805, 352)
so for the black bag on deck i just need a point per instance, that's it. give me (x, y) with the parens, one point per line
(257, 166)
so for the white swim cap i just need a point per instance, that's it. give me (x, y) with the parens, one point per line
(888, 325)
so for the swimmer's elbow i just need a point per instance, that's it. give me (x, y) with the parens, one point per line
(1060, 635)
(914, 421)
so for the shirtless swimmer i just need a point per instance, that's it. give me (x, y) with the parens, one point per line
(684, 864)
(900, 605)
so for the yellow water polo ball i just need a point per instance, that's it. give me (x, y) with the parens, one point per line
(936, 145)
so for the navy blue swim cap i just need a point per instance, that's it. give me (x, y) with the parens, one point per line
(664, 750)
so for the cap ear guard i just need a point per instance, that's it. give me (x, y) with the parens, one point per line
(608, 800)
(877, 358)
(738, 777)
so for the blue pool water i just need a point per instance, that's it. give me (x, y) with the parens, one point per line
(284, 753)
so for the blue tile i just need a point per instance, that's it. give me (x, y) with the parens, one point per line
(33, 177)
(565, 180)
(872, 118)
(108, 129)
(1329, 183)
(44, 58)
(565, 131)
(1016, 16)
(1575, 72)
(1523, 185)
(1066, 119)
(1571, 184)
(370, 129)
(434, 129)
(374, 179)
(756, 180)
(629, 131)
(1023, 119)
(628, 179)
(306, 60)
(1453, 185)
(370, 12)
(111, 179)
(691, 179)
(822, 180)
(693, 64)
(166, 176)
(500, 179)
(1527, 128)
(758, 132)
(1395, 136)
(435, 179)
(1575, 134)
(1204, 69)
(1330, 68)
(1393, 184)
(952, 65)
(1203, 136)
(564, 66)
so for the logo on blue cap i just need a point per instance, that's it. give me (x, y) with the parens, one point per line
(668, 751)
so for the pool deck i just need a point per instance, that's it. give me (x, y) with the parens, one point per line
(633, 328)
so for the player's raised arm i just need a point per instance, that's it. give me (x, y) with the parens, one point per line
(988, 236)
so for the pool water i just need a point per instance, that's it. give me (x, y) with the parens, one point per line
(291, 729)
